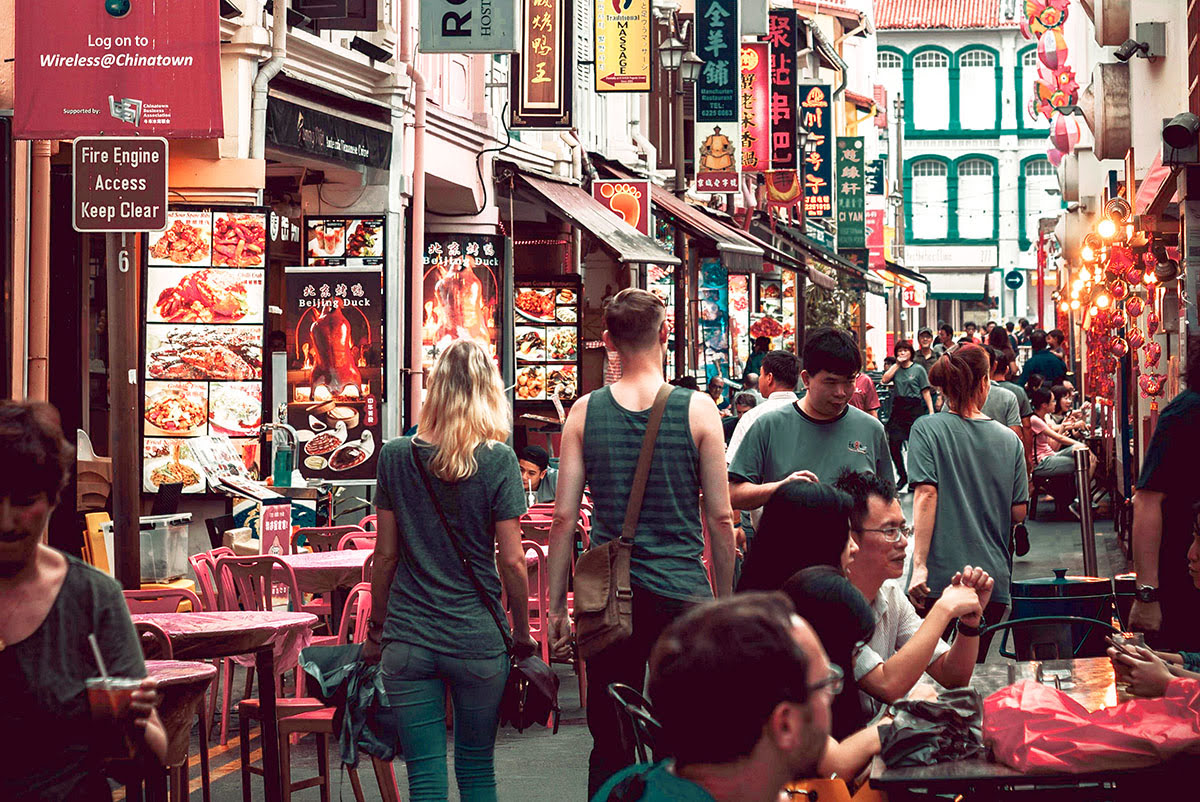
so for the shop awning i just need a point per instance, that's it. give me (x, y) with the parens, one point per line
(623, 241)
(1156, 190)
(911, 275)
(958, 285)
(764, 234)
(823, 255)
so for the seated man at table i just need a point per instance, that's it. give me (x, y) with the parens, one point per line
(49, 604)
(903, 646)
(742, 690)
(537, 476)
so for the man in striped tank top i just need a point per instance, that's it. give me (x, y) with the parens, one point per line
(601, 442)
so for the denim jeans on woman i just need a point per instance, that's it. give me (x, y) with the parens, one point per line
(415, 678)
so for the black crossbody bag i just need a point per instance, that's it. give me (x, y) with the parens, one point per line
(531, 692)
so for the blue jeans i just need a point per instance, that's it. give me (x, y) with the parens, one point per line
(415, 679)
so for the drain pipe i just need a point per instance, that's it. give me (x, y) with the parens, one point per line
(269, 69)
(416, 259)
(38, 376)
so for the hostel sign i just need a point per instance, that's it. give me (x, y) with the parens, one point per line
(756, 120)
(469, 26)
(622, 45)
(119, 184)
(718, 97)
(541, 85)
(851, 196)
(817, 161)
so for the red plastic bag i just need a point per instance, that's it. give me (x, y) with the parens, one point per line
(1035, 728)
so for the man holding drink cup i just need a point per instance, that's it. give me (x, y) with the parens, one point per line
(64, 712)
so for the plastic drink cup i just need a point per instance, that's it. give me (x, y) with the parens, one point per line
(109, 699)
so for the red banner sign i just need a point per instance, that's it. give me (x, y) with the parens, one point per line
(81, 72)
(875, 238)
(629, 200)
(781, 35)
(756, 119)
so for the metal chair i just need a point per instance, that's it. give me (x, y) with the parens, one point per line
(1049, 637)
(637, 721)
(162, 600)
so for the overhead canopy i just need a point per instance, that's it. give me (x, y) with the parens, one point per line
(620, 239)
(965, 285)
(823, 255)
(781, 242)
(911, 275)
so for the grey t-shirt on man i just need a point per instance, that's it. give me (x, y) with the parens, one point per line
(1023, 406)
(786, 440)
(1002, 406)
(978, 467)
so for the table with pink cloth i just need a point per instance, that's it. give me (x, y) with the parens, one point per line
(274, 640)
(324, 571)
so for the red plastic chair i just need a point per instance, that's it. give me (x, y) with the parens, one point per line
(368, 524)
(154, 640)
(357, 540)
(162, 600)
(204, 566)
(322, 538)
(368, 564)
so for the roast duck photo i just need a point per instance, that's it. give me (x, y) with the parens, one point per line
(335, 364)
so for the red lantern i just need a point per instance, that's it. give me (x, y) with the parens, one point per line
(1153, 354)
(1136, 338)
(1118, 289)
(1119, 348)
(1134, 306)
(1152, 322)
(1116, 319)
(1134, 274)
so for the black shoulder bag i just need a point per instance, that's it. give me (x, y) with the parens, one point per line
(531, 692)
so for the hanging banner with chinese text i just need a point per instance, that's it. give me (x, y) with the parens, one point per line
(817, 118)
(756, 121)
(851, 194)
(622, 45)
(876, 170)
(782, 38)
(718, 97)
(540, 77)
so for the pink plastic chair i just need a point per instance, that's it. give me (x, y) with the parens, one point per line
(368, 564)
(357, 540)
(368, 524)
(161, 600)
(323, 538)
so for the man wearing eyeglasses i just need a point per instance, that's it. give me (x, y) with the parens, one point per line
(904, 646)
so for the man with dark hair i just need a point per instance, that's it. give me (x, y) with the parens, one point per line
(904, 646)
(814, 438)
(1163, 518)
(1012, 339)
(925, 355)
(1002, 405)
(1000, 370)
(537, 477)
(742, 403)
(754, 364)
(1055, 340)
(969, 331)
(945, 339)
(742, 689)
(601, 443)
(777, 385)
(1042, 361)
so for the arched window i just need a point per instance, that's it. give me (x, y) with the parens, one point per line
(931, 91)
(1029, 59)
(1042, 195)
(887, 60)
(976, 199)
(976, 89)
(929, 199)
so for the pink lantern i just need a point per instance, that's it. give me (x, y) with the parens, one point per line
(1136, 338)
(1054, 156)
(1134, 306)
(1052, 49)
(1064, 132)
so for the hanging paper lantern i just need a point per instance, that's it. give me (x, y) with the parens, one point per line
(1136, 338)
(1152, 322)
(1116, 319)
(1119, 348)
(1054, 156)
(1064, 132)
(1052, 49)
(1134, 306)
(1044, 15)
(1153, 354)
(1133, 274)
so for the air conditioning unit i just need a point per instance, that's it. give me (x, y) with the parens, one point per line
(1110, 20)
(1105, 105)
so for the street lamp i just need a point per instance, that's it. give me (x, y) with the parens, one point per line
(683, 66)
(690, 67)
(670, 54)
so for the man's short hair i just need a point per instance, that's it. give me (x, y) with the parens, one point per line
(970, 324)
(997, 359)
(1037, 340)
(718, 672)
(537, 455)
(860, 486)
(633, 319)
(832, 350)
(784, 367)
(745, 400)
(1008, 326)
(946, 328)
(1057, 334)
(1022, 322)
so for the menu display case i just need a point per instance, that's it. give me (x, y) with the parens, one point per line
(462, 293)
(546, 339)
(203, 334)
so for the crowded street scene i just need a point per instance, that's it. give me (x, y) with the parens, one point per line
(610, 400)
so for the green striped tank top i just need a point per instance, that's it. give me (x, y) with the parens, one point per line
(669, 543)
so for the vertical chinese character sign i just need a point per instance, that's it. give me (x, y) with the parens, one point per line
(756, 121)
(817, 160)
(622, 45)
(781, 36)
(851, 196)
(875, 238)
(541, 76)
(718, 96)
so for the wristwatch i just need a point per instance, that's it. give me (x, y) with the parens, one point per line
(968, 631)
(1147, 594)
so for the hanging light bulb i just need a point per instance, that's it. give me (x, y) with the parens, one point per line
(1106, 228)
(1064, 306)
(1086, 253)
(1150, 278)
(1128, 231)
(1075, 304)
(1101, 300)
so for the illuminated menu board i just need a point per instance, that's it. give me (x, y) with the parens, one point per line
(546, 338)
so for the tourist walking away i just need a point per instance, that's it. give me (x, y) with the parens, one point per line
(778, 380)
(816, 437)
(742, 690)
(447, 499)
(902, 646)
(50, 605)
(762, 345)
(1163, 517)
(1042, 362)
(911, 398)
(601, 445)
(970, 487)
(1004, 368)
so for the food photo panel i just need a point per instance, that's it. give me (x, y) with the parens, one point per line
(187, 240)
(207, 295)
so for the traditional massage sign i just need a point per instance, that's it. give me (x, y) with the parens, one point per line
(756, 119)
(204, 317)
(851, 193)
(334, 322)
(540, 77)
(154, 71)
(622, 45)
(718, 97)
(629, 200)
(817, 183)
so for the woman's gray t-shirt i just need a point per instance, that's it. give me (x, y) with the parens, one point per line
(433, 603)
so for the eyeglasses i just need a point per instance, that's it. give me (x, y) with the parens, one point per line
(834, 681)
(893, 533)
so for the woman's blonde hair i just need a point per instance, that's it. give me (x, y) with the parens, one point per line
(464, 408)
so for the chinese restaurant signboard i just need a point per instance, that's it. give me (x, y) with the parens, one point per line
(205, 289)
(876, 170)
(816, 116)
(153, 72)
(756, 121)
(718, 97)
(622, 45)
(546, 338)
(781, 36)
(307, 131)
(463, 277)
(629, 200)
(469, 26)
(541, 76)
(334, 324)
(851, 195)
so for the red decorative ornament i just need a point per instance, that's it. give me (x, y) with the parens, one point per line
(1153, 354)
(1152, 384)
(1118, 289)
(1134, 306)
(1119, 348)
(1136, 338)
(1134, 274)
(1152, 322)
(1116, 319)
(1120, 259)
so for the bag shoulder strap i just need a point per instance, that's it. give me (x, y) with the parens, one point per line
(462, 557)
(633, 510)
